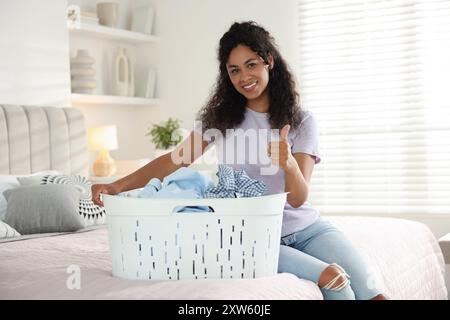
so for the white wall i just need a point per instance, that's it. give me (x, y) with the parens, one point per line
(34, 61)
(190, 31)
(34, 68)
(185, 57)
(35, 48)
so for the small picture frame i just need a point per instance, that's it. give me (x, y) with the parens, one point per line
(150, 84)
(142, 19)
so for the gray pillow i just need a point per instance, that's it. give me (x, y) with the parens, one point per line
(43, 208)
(92, 213)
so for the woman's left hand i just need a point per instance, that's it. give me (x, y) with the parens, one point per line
(280, 152)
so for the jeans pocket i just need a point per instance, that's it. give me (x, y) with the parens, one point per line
(288, 240)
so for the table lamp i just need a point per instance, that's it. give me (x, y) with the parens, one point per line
(103, 139)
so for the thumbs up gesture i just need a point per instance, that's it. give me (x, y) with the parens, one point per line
(280, 151)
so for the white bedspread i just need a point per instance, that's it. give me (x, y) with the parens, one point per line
(405, 253)
(38, 269)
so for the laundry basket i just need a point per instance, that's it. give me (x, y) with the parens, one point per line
(240, 239)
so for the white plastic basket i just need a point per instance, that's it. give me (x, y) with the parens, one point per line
(240, 239)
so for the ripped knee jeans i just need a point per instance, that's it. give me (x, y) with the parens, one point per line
(307, 253)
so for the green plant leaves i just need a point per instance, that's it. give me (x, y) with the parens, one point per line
(162, 134)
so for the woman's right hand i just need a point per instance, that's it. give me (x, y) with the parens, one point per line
(97, 189)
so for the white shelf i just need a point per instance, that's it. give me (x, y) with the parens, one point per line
(113, 34)
(78, 98)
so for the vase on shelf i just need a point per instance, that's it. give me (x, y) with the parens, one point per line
(120, 74)
(131, 87)
(108, 14)
(82, 73)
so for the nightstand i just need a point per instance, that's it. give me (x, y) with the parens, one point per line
(103, 180)
(444, 243)
(124, 168)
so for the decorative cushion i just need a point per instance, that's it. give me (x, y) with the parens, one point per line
(6, 182)
(43, 208)
(7, 231)
(92, 214)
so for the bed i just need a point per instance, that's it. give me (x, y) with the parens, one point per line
(76, 265)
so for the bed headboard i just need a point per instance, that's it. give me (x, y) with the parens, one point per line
(35, 138)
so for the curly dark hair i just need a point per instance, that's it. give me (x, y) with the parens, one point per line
(225, 108)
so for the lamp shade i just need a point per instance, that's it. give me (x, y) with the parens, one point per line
(103, 138)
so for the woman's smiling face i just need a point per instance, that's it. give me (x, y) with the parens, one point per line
(248, 73)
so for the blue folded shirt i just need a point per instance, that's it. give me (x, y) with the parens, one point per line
(184, 183)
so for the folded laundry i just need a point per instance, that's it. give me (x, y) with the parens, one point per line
(186, 183)
(235, 184)
(152, 187)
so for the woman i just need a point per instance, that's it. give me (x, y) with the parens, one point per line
(255, 91)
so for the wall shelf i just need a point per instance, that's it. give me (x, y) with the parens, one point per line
(78, 98)
(113, 34)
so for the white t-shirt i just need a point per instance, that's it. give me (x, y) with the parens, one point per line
(246, 146)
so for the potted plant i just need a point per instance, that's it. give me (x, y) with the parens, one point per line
(166, 136)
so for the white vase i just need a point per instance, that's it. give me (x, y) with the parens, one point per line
(82, 73)
(108, 14)
(131, 87)
(120, 74)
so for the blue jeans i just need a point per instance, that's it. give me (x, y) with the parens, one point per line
(307, 253)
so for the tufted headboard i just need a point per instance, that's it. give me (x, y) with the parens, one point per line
(42, 138)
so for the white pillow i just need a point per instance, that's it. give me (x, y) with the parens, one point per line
(35, 178)
(8, 178)
(6, 182)
(6, 231)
